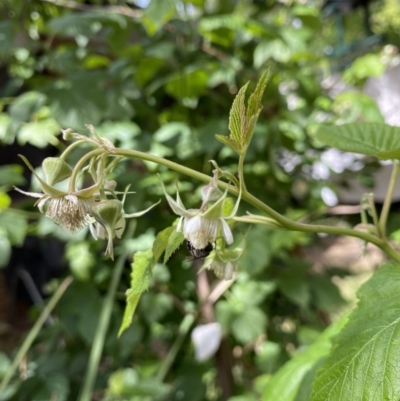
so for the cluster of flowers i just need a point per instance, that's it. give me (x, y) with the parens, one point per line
(205, 229)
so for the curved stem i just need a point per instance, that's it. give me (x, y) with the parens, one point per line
(249, 198)
(78, 167)
(70, 148)
(388, 199)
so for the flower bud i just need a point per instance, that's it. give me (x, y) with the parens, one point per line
(108, 213)
(56, 170)
(68, 134)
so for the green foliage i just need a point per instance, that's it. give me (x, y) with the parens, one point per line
(373, 139)
(287, 383)
(363, 360)
(161, 80)
(242, 119)
(140, 281)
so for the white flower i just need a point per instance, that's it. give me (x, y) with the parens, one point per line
(202, 226)
(68, 209)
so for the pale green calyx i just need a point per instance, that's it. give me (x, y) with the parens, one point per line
(56, 170)
(224, 261)
(107, 212)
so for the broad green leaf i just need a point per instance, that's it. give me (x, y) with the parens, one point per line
(237, 117)
(157, 14)
(249, 325)
(140, 281)
(286, 383)
(187, 84)
(369, 65)
(25, 105)
(5, 201)
(174, 242)
(373, 139)
(15, 226)
(80, 258)
(364, 363)
(161, 242)
(12, 174)
(39, 133)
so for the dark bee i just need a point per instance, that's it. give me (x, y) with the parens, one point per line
(198, 253)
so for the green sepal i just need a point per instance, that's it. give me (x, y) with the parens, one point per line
(56, 170)
(47, 189)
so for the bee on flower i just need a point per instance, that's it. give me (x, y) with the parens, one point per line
(203, 226)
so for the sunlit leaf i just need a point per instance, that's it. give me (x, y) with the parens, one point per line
(364, 360)
(373, 139)
(174, 241)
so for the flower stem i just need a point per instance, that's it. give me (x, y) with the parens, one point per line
(388, 199)
(241, 171)
(103, 324)
(30, 338)
(252, 200)
(79, 166)
(71, 147)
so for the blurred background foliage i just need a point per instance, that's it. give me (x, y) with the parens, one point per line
(160, 76)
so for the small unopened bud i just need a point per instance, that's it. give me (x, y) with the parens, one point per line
(108, 213)
(68, 134)
(110, 186)
(56, 170)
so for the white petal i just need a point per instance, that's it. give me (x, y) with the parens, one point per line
(206, 339)
(41, 202)
(192, 225)
(226, 232)
(120, 227)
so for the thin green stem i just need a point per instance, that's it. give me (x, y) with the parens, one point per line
(389, 196)
(103, 324)
(252, 200)
(30, 338)
(241, 171)
(71, 147)
(78, 167)
(184, 328)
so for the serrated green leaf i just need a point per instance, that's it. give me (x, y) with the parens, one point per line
(237, 117)
(174, 242)
(254, 107)
(373, 139)
(161, 242)
(140, 280)
(228, 142)
(286, 383)
(364, 363)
